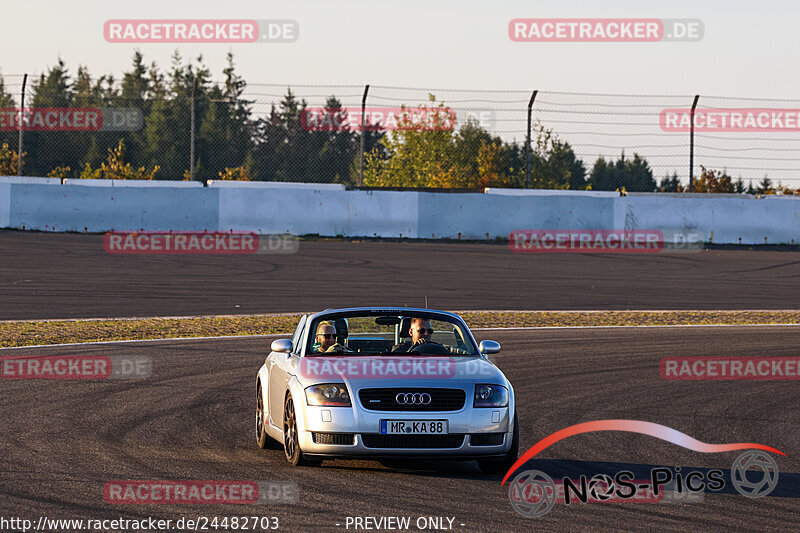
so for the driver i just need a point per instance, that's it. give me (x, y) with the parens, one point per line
(421, 331)
(326, 340)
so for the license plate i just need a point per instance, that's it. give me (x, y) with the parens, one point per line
(413, 427)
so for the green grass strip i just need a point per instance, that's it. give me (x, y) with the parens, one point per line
(30, 333)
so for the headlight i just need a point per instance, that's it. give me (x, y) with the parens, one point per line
(329, 394)
(491, 396)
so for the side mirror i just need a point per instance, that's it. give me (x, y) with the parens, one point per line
(282, 345)
(489, 347)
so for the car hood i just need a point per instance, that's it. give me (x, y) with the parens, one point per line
(391, 370)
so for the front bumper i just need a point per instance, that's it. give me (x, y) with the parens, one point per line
(364, 426)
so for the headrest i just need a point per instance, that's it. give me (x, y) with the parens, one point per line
(405, 325)
(341, 330)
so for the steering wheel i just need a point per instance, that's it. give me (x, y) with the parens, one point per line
(433, 348)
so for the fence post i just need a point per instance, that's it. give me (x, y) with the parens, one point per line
(691, 142)
(363, 131)
(21, 120)
(528, 142)
(191, 135)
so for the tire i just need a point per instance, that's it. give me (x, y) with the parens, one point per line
(262, 437)
(501, 466)
(291, 439)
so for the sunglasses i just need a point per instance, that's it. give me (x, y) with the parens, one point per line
(423, 330)
(327, 335)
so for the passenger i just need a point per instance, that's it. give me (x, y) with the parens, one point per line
(326, 340)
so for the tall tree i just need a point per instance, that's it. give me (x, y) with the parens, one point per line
(634, 175)
(6, 98)
(421, 155)
(45, 149)
(6, 101)
(555, 165)
(335, 149)
(135, 93)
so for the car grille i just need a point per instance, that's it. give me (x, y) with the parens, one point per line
(333, 438)
(486, 439)
(385, 399)
(412, 441)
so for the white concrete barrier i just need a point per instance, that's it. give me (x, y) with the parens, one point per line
(133, 183)
(723, 220)
(5, 205)
(332, 211)
(101, 209)
(275, 185)
(482, 216)
(28, 179)
(550, 192)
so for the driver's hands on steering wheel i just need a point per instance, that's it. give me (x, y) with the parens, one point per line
(434, 348)
(415, 346)
(337, 348)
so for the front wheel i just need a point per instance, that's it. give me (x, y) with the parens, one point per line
(291, 437)
(502, 465)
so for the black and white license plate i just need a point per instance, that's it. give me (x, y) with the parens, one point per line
(413, 427)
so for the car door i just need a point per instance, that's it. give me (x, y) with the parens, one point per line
(278, 376)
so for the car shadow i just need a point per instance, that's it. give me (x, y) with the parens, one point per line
(414, 467)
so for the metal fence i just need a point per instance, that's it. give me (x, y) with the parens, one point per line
(283, 132)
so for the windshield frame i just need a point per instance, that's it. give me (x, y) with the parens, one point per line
(364, 312)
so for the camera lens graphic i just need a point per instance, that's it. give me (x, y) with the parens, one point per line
(754, 474)
(601, 487)
(532, 493)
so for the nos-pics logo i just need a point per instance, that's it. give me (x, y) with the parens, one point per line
(534, 493)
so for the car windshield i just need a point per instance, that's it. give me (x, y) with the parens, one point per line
(372, 333)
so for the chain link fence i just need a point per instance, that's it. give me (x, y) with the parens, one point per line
(380, 136)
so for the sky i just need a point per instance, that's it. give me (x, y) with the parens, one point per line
(748, 50)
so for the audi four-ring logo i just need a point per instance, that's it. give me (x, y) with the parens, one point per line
(413, 398)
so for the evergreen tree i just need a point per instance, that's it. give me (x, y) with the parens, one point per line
(634, 175)
(46, 150)
(7, 102)
(670, 184)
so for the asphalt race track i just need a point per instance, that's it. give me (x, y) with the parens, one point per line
(71, 276)
(193, 420)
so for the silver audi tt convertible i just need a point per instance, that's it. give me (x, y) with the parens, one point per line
(386, 383)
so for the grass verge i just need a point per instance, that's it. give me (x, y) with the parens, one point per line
(30, 333)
